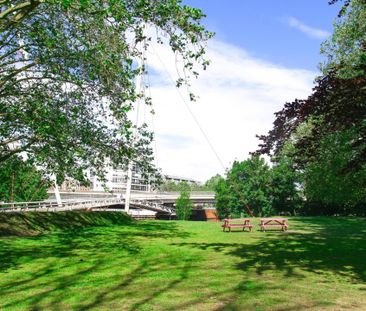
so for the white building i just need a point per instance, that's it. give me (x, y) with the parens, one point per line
(116, 182)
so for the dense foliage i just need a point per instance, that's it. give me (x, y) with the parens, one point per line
(252, 183)
(20, 182)
(67, 78)
(328, 181)
(336, 105)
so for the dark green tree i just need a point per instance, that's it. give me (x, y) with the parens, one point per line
(329, 182)
(265, 190)
(286, 186)
(226, 202)
(247, 183)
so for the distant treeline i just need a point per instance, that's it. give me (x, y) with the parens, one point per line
(209, 185)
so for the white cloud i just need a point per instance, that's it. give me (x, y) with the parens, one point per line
(309, 31)
(238, 96)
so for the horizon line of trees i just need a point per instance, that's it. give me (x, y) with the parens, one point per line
(209, 185)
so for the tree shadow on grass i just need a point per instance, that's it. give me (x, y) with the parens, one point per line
(35, 223)
(122, 288)
(335, 246)
(76, 240)
(109, 266)
(69, 258)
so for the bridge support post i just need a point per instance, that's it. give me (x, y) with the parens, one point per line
(128, 187)
(56, 191)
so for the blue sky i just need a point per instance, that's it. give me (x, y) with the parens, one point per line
(265, 53)
(261, 27)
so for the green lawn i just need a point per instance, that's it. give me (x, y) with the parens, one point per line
(111, 263)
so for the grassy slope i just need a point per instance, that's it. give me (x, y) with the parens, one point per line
(320, 263)
(34, 223)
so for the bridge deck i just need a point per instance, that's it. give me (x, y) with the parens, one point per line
(70, 205)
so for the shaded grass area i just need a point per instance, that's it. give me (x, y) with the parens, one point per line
(319, 264)
(34, 223)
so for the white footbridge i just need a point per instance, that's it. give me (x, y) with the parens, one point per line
(151, 202)
(89, 205)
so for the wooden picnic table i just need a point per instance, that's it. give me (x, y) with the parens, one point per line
(237, 223)
(274, 223)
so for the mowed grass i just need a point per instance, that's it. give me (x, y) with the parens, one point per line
(117, 264)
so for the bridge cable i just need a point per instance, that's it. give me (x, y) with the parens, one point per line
(152, 117)
(195, 119)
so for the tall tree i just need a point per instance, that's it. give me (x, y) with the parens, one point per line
(338, 99)
(67, 72)
(328, 129)
(247, 183)
(327, 179)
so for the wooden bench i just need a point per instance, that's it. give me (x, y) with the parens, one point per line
(273, 223)
(237, 223)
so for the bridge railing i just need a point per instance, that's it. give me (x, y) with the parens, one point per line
(80, 204)
(27, 205)
(49, 205)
